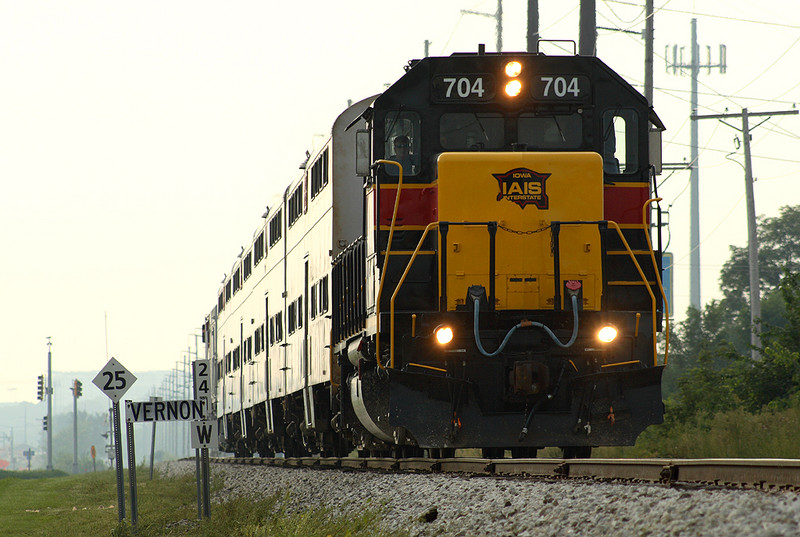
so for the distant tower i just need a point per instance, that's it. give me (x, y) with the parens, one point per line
(694, 179)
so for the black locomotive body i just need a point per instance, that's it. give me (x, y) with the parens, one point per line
(469, 262)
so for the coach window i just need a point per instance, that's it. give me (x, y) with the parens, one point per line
(247, 266)
(471, 132)
(275, 227)
(620, 143)
(550, 132)
(402, 142)
(258, 249)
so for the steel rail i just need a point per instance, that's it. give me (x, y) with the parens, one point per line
(750, 473)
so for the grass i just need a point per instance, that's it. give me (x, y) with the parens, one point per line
(85, 505)
(736, 433)
(771, 433)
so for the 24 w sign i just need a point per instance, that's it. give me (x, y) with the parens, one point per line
(202, 378)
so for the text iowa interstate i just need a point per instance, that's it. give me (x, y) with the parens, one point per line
(186, 410)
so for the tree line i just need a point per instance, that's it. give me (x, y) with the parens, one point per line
(710, 366)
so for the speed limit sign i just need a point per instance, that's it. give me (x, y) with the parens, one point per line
(114, 380)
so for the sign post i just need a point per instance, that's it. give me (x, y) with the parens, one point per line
(153, 442)
(204, 435)
(29, 453)
(132, 474)
(114, 380)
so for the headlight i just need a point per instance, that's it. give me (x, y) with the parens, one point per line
(514, 88)
(444, 335)
(607, 334)
(513, 69)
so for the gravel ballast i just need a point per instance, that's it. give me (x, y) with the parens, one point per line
(457, 505)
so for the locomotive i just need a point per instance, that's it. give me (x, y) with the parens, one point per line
(471, 260)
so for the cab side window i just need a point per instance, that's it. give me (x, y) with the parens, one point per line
(402, 142)
(620, 143)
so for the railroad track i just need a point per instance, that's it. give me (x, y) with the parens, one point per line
(748, 473)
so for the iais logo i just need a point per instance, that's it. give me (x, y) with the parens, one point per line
(523, 187)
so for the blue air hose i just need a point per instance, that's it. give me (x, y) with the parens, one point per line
(522, 324)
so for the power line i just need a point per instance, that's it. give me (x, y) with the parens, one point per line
(670, 91)
(710, 15)
(713, 150)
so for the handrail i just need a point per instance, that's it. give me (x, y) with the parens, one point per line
(646, 285)
(657, 270)
(397, 289)
(386, 256)
(436, 224)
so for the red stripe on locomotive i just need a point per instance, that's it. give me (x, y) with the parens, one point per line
(623, 204)
(418, 206)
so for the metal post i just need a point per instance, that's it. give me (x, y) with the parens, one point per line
(118, 460)
(206, 486)
(587, 42)
(49, 406)
(132, 474)
(153, 443)
(199, 478)
(694, 165)
(533, 26)
(694, 186)
(499, 17)
(648, 52)
(74, 427)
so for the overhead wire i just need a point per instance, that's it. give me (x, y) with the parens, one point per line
(710, 15)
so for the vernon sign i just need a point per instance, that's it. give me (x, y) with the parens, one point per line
(148, 411)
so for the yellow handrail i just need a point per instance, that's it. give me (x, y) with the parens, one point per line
(397, 289)
(646, 285)
(658, 276)
(436, 224)
(386, 257)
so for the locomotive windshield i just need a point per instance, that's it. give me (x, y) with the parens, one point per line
(550, 132)
(467, 131)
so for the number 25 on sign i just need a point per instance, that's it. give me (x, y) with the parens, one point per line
(114, 380)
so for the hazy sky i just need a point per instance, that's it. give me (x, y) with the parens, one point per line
(141, 141)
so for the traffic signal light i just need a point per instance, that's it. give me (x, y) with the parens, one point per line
(44, 423)
(40, 387)
(77, 388)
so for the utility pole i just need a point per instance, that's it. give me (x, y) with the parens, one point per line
(77, 391)
(694, 177)
(647, 34)
(752, 230)
(648, 52)
(49, 405)
(427, 53)
(587, 42)
(498, 16)
(533, 26)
